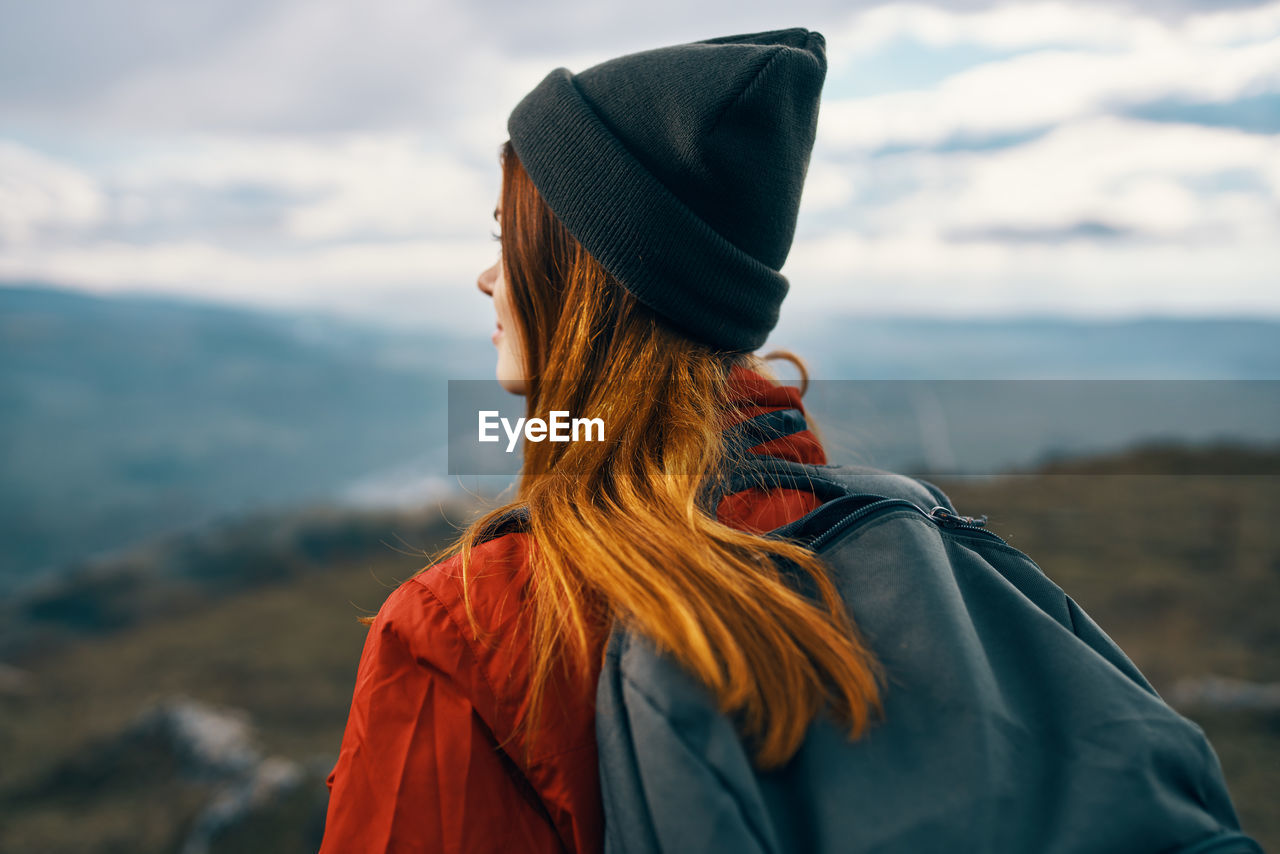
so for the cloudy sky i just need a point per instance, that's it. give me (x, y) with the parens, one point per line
(1078, 158)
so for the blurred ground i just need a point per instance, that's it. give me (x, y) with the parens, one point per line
(204, 712)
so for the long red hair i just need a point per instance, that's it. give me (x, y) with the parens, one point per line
(616, 531)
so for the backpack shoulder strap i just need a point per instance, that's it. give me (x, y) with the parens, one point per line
(654, 718)
(828, 482)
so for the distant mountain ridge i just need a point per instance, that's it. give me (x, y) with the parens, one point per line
(930, 348)
(126, 417)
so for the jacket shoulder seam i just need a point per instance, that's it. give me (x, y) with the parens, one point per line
(420, 582)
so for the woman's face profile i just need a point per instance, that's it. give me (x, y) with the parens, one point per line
(506, 335)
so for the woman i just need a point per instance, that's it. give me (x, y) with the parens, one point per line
(647, 205)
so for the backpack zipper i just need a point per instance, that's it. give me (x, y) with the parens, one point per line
(940, 516)
(860, 513)
(947, 519)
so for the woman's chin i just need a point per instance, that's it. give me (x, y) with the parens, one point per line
(514, 385)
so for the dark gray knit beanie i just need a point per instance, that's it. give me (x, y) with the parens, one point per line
(680, 170)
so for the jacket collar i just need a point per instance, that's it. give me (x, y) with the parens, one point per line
(769, 419)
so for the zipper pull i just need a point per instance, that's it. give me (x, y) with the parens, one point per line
(947, 519)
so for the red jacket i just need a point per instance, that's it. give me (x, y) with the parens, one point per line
(421, 770)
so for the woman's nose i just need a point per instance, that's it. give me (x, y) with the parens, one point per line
(485, 282)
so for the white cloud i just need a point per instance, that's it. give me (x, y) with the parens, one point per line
(1233, 26)
(321, 66)
(308, 216)
(1198, 250)
(1019, 25)
(827, 187)
(1125, 173)
(39, 194)
(920, 273)
(303, 64)
(323, 188)
(949, 243)
(418, 283)
(1008, 25)
(1049, 87)
(283, 277)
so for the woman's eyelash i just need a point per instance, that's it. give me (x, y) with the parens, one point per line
(495, 235)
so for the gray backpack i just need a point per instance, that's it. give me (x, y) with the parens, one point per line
(1012, 722)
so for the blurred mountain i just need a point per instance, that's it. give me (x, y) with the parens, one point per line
(1038, 348)
(122, 418)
